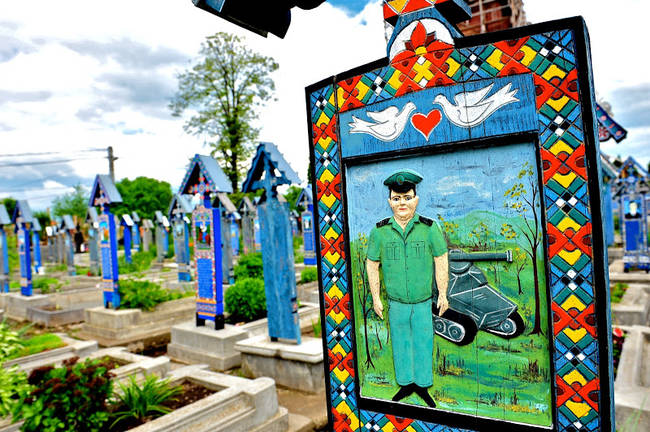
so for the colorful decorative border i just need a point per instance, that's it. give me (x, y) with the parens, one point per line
(556, 55)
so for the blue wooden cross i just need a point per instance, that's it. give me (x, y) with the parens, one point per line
(92, 218)
(162, 236)
(104, 194)
(306, 201)
(36, 240)
(23, 220)
(203, 178)
(268, 171)
(127, 224)
(68, 228)
(135, 231)
(4, 251)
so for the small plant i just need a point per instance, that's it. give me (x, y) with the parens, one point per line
(70, 398)
(298, 257)
(309, 274)
(246, 300)
(10, 341)
(317, 327)
(297, 243)
(250, 266)
(13, 388)
(46, 284)
(146, 295)
(37, 344)
(618, 291)
(140, 261)
(143, 402)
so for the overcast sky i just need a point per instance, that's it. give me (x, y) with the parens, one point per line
(76, 77)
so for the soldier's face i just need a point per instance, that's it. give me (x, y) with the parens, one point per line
(403, 204)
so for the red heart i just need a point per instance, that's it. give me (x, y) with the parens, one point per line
(425, 124)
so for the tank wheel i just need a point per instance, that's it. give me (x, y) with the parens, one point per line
(511, 327)
(455, 327)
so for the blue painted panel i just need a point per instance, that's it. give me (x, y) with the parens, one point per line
(93, 250)
(69, 251)
(127, 244)
(135, 235)
(24, 240)
(279, 273)
(425, 117)
(4, 262)
(182, 249)
(108, 246)
(204, 276)
(309, 237)
(633, 237)
(234, 237)
(38, 262)
(608, 215)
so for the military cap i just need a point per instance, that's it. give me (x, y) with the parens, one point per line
(403, 176)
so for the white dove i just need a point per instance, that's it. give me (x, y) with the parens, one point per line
(472, 108)
(389, 123)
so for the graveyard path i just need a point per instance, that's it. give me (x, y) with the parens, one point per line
(302, 407)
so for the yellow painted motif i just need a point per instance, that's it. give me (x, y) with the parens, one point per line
(560, 147)
(552, 72)
(397, 5)
(423, 71)
(343, 408)
(567, 223)
(328, 200)
(570, 257)
(394, 81)
(495, 59)
(558, 104)
(335, 292)
(575, 376)
(331, 234)
(580, 409)
(453, 67)
(325, 141)
(327, 176)
(363, 90)
(565, 180)
(529, 55)
(573, 302)
(338, 317)
(575, 335)
(323, 120)
(338, 349)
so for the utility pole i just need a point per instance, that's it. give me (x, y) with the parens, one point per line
(111, 163)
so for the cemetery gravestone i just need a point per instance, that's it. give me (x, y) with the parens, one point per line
(235, 220)
(147, 237)
(178, 210)
(67, 228)
(36, 242)
(204, 178)
(162, 236)
(92, 218)
(493, 139)
(4, 250)
(23, 220)
(127, 236)
(103, 195)
(609, 175)
(248, 212)
(51, 253)
(306, 201)
(268, 171)
(135, 231)
(633, 187)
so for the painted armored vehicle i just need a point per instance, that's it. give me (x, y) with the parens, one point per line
(475, 305)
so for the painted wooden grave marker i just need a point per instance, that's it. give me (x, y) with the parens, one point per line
(269, 170)
(235, 220)
(135, 231)
(306, 201)
(162, 236)
(179, 208)
(248, 213)
(67, 229)
(484, 150)
(4, 250)
(36, 246)
(103, 195)
(92, 219)
(204, 178)
(127, 235)
(227, 210)
(147, 236)
(609, 175)
(633, 188)
(23, 220)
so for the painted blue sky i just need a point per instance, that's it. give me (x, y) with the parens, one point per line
(454, 185)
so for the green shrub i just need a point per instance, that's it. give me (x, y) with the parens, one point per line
(297, 243)
(146, 295)
(37, 344)
(46, 284)
(298, 258)
(13, 388)
(70, 398)
(618, 291)
(9, 341)
(250, 266)
(140, 261)
(139, 403)
(309, 274)
(246, 300)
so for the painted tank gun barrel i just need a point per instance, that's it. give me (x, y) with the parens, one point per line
(480, 256)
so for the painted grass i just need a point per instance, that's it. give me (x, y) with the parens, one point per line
(492, 377)
(39, 343)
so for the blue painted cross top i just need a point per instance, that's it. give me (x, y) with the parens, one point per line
(4, 251)
(268, 171)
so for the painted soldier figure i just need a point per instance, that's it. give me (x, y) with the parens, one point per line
(412, 253)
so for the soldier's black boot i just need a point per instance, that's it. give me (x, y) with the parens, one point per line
(403, 392)
(424, 394)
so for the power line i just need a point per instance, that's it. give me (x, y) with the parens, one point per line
(52, 153)
(60, 161)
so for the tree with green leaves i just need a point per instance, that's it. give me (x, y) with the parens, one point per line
(144, 195)
(223, 90)
(74, 203)
(523, 198)
(10, 205)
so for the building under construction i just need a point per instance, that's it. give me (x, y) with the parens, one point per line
(493, 15)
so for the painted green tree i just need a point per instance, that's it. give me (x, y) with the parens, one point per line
(223, 91)
(519, 257)
(523, 198)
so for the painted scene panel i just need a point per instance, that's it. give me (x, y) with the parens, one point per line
(481, 209)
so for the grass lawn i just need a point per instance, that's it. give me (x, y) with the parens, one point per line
(37, 344)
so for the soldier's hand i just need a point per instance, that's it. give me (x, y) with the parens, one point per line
(378, 307)
(443, 305)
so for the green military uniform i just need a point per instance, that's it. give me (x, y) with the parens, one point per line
(407, 262)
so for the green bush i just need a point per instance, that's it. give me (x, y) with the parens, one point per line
(618, 291)
(139, 403)
(141, 261)
(46, 284)
(146, 295)
(37, 344)
(13, 388)
(10, 341)
(250, 266)
(297, 242)
(246, 300)
(298, 258)
(309, 274)
(70, 398)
